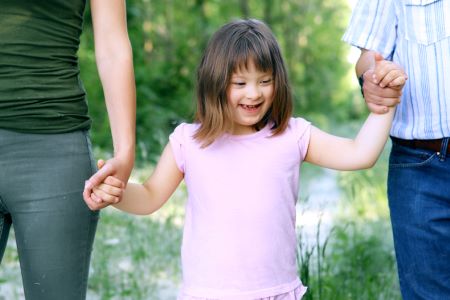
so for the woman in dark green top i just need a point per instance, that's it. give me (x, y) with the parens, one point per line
(45, 155)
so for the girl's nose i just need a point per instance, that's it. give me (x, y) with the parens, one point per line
(253, 92)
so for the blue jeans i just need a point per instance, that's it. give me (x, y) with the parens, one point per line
(419, 202)
(41, 183)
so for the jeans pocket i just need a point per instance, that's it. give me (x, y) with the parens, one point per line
(405, 157)
(426, 21)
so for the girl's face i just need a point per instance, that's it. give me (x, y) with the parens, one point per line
(249, 95)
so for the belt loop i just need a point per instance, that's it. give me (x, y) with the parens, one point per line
(444, 147)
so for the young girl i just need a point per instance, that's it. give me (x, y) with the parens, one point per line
(240, 162)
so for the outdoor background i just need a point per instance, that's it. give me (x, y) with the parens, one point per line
(345, 245)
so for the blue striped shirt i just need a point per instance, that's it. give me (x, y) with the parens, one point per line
(416, 35)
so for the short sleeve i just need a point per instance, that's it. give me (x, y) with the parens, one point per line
(302, 129)
(177, 141)
(373, 26)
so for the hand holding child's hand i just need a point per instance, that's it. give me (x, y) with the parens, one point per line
(109, 191)
(383, 85)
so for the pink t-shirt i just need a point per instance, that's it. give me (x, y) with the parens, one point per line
(239, 239)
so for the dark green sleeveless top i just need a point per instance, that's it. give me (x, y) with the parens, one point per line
(40, 88)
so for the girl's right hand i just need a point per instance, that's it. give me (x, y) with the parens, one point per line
(109, 191)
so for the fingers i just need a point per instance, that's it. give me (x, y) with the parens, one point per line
(378, 57)
(104, 175)
(93, 202)
(377, 109)
(398, 82)
(96, 179)
(110, 191)
(373, 99)
(100, 163)
(381, 96)
(115, 182)
(383, 85)
(386, 72)
(94, 205)
(107, 193)
(395, 77)
(381, 70)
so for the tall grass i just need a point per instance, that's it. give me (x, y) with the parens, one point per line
(356, 259)
(138, 257)
(354, 262)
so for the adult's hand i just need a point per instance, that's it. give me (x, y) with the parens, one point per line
(377, 93)
(379, 98)
(119, 167)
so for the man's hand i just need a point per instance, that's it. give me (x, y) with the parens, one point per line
(379, 98)
(383, 81)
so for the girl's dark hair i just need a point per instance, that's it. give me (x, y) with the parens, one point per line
(233, 46)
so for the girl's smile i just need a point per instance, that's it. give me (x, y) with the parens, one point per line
(250, 95)
(250, 108)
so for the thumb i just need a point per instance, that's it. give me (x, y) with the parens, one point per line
(378, 57)
(100, 163)
(103, 172)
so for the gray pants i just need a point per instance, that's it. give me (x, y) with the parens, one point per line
(41, 183)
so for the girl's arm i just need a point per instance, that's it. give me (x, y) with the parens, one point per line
(339, 153)
(115, 66)
(142, 199)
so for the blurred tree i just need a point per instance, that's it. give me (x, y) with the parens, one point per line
(168, 38)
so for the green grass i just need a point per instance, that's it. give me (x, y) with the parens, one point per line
(356, 259)
(138, 257)
(354, 262)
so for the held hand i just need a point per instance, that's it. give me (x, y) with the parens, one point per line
(388, 73)
(117, 167)
(379, 98)
(109, 192)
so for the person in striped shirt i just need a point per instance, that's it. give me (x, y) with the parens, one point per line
(416, 35)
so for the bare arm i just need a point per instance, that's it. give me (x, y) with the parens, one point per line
(148, 197)
(115, 65)
(338, 153)
(334, 152)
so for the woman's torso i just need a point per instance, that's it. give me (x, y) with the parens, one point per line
(40, 89)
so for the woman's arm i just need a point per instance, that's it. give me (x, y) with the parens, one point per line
(115, 66)
(143, 199)
(338, 153)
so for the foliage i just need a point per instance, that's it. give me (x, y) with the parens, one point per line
(135, 258)
(355, 259)
(355, 262)
(168, 38)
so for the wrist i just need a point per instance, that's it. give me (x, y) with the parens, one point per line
(125, 155)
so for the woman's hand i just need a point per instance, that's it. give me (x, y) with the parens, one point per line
(119, 167)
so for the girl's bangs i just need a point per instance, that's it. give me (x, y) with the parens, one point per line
(250, 48)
